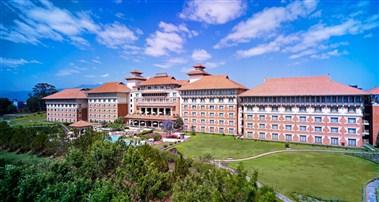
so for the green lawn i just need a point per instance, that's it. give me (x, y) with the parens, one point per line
(325, 175)
(11, 157)
(223, 147)
(29, 120)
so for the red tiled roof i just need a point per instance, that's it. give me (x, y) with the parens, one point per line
(374, 91)
(80, 124)
(160, 80)
(302, 86)
(111, 87)
(213, 82)
(69, 93)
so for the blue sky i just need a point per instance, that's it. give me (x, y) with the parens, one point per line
(69, 43)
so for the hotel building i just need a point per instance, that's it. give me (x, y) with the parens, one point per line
(108, 102)
(155, 100)
(314, 110)
(209, 103)
(373, 115)
(67, 106)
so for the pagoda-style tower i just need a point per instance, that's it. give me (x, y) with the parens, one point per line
(197, 72)
(135, 78)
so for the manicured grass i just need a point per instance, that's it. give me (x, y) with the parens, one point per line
(12, 157)
(223, 147)
(325, 175)
(29, 120)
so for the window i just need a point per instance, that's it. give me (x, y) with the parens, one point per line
(230, 100)
(231, 107)
(303, 128)
(317, 109)
(250, 125)
(250, 134)
(288, 118)
(288, 109)
(318, 139)
(262, 136)
(211, 100)
(275, 109)
(351, 120)
(334, 119)
(288, 127)
(351, 109)
(302, 109)
(334, 129)
(261, 117)
(318, 119)
(288, 137)
(274, 117)
(221, 114)
(202, 129)
(231, 115)
(275, 126)
(352, 142)
(211, 129)
(334, 141)
(193, 106)
(202, 107)
(334, 109)
(275, 136)
(193, 120)
(303, 118)
(221, 130)
(202, 114)
(211, 107)
(318, 129)
(211, 114)
(261, 109)
(262, 126)
(352, 130)
(221, 107)
(249, 116)
(231, 123)
(231, 130)
(203, 121)
(303, 138)
(221, 100)
(193, 113)
(212, 121)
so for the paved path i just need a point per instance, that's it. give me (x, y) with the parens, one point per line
(291, 150)
(371, 190)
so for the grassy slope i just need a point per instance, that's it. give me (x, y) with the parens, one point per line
(28, 120)
(223, 147)
(329, 176)
(12, 157)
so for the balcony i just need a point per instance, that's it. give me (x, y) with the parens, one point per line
(156, 102)
(366, 123)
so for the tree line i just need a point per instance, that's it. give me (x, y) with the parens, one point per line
(95, 169)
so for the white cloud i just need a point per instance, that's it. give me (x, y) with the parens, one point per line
(266, 22)
(67, 72)
(169, 38)
(13, 62)
(212, 65)
(38, 20)
(315, 41)
(213, 12)
(200, 55)
(171, 62)
(104, 75)
(116, 35)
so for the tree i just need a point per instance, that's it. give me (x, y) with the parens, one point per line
(179, 123)
(6, 106)
(40, 90)
(168, 126)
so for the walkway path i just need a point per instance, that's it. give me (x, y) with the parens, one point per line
(371, 190)
(291, 150)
